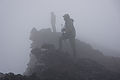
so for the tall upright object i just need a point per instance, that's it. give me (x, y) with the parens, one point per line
(53, 21)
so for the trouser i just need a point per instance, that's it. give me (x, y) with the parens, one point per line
(71, 41)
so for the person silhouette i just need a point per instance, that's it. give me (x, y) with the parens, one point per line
(68, 32)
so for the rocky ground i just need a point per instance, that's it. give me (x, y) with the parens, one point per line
(49, 63)
(58, 65)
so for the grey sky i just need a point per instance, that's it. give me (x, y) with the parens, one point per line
(96, 21)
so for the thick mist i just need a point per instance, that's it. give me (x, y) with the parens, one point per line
(96, 21)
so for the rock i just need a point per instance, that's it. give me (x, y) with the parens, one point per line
(48, 63)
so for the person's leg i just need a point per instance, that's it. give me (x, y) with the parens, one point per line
(60, 43)
(73, 45)
(63, 37)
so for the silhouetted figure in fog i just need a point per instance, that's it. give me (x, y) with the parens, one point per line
(53, 21)
(68, 32)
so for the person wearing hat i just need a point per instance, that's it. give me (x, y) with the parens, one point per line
(68, 32)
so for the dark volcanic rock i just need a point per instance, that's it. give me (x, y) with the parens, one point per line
(12, 76)
(48, 63)
(53, 64)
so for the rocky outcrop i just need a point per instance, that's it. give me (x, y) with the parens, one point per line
(84, 50)
(52, 64)
(12, 76)
(49, 63)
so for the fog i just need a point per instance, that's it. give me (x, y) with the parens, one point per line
(96, 21)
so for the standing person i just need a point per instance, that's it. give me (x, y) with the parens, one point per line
(68, 32)
(53, 21)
